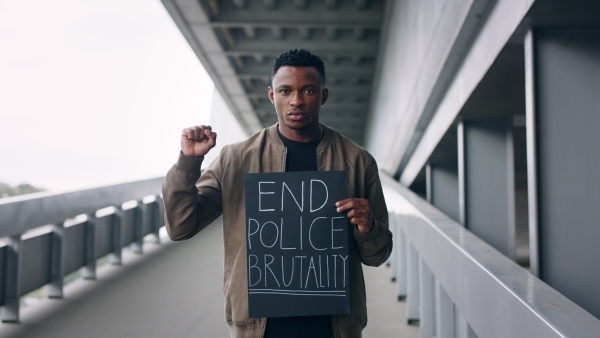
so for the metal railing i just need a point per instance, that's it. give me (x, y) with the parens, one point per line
(49, 236)
(456, 285)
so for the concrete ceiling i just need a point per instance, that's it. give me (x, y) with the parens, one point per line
(237, 40)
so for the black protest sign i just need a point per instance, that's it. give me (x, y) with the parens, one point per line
(297, 244)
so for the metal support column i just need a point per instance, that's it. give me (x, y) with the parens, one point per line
(460, 135)
(530, 122)
(428, 183)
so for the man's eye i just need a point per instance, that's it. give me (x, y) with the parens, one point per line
(310, 91)
(284, 91)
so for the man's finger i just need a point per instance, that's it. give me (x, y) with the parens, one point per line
(350, 200)
(352, 203)
(199, 133)
(190, 133)
(212, 139)
(356, 213)
(204, 133)
(359, 221)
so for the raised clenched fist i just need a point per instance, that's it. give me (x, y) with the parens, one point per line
(197, 141)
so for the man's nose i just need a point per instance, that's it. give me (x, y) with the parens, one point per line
(296, 99)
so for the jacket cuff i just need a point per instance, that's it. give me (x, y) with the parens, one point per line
(190, 165)
(368, 236)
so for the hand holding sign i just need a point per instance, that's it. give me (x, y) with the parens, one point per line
(197, 141)
(359, 212)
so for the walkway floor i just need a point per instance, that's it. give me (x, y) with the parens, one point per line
(173, 290)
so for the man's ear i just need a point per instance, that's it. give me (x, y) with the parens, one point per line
(270, 91)
(324, 96)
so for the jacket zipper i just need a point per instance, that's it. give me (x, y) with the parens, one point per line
(318, 167)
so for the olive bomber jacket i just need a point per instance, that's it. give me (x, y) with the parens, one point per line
(193, 201)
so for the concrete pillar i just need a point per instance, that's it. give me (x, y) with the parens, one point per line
(442, 188)
(487, 170)
(563, 82)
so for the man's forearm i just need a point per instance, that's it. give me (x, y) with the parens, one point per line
(180, 199)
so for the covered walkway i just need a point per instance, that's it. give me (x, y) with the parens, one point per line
(172, 290)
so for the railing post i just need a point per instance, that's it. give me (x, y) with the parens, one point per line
(57, 258)
(157, 218)
(89, 269)
(426, 311)
(444, 313)
(12, 295)
(463, 330)
(393, 261)
(412, 287)
(115, 256)
(149, 203)
(138, 222)
(402, 261)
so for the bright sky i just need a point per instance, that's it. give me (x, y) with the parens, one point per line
(94, 92)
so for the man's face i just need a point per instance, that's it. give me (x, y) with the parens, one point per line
(298, 95)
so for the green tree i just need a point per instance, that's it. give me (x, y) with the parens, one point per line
(24, 188)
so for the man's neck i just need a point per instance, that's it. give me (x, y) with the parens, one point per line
(310, 134)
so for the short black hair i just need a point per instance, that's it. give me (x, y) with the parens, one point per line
(298, 58)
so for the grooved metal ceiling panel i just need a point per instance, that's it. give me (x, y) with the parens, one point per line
(237, 40)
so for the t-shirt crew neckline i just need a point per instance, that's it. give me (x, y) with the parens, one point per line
(296, 144)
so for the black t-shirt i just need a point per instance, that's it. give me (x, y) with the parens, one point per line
(301, 156)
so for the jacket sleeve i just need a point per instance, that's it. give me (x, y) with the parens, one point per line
(375, 246)
(192, 200)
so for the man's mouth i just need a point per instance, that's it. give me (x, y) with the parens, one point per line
(296, 115)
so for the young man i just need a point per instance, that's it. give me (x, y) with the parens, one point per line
(298, 142)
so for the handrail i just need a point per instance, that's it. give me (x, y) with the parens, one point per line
(19, 214)
(45, 257)
(496, 296)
